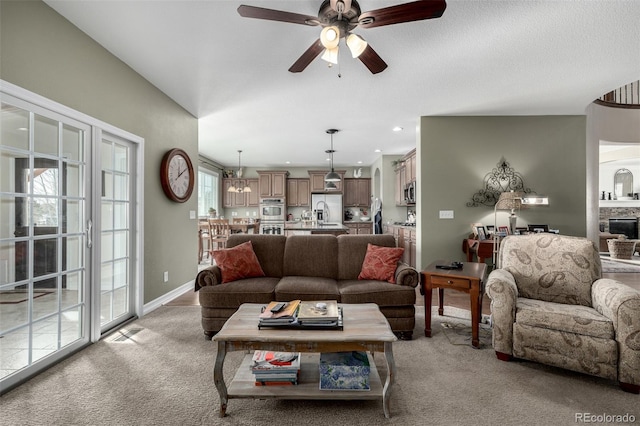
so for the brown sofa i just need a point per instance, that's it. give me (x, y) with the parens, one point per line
(309, 267)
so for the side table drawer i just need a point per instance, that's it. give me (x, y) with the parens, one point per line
(450, 282)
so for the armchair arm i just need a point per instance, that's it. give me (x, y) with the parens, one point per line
(406, 275)
(501, 288)
(621, 304)
(207, 277)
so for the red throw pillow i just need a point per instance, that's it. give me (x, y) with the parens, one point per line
(238, 262)
(380, 263)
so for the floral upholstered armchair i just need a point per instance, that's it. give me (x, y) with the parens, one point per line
(549, 304)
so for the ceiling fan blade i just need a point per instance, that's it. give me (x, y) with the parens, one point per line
(307, 57)
(407, 12)
(277, 15)
(372, 60)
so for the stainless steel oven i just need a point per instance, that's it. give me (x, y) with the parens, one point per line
(272, 210)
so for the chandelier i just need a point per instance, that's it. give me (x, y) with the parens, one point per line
(237, 188)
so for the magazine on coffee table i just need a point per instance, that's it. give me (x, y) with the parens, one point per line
(335, 324)
(318, 312)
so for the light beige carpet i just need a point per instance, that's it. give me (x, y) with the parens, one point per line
(163, 375)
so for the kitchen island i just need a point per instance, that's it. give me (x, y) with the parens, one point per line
(302, 227)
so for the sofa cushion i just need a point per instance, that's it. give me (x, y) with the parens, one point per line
(269, 250)
(234, 294)
(353, 248)
(311, 256)
(569, 318)
(381, 293)
(554, 268)
(238, 262)
(380, 263)
(307, 288)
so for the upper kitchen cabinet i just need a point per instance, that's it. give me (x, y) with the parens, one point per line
(357, 192)
(298, 193)
(272, 183)
(240, 199)
(410, 166)
(317, 180)
(400, 181)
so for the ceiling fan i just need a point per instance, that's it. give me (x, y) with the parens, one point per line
(339, 18)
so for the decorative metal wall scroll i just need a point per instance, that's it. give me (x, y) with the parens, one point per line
(502, 178)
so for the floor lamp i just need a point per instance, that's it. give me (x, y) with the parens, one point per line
(509, 200)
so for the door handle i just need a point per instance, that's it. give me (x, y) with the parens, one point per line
(89, 228)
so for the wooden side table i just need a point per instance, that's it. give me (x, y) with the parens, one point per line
(469, 279)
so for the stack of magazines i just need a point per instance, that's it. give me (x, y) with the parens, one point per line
(320, 313)
(279, 313)
(275, 368)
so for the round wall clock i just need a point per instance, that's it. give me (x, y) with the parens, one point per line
(176, 175)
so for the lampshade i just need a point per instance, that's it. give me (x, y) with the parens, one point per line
(330, 186)
(332, 176)
(509, 200)
(356, 45)
(232, 188)
(330, 37)
(330, 55)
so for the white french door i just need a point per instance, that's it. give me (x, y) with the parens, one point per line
(70, 252)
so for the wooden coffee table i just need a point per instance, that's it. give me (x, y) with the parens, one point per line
(469, 279)
(364, 329)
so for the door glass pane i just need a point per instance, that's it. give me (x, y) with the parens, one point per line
(14, 350)
(45, 302)
(106, 246)
(15, 311)
(120, 215)
(120, 161)
(45, 260)
(45, 135)
(7, 215)
(107, 215)
(8, 171)
(45, 215)
(120, 187)
(74, 249)
(120, 244)
(14, 127)
(45, 337)
(70, 326)
(73, 179)
(73, 294)
(74, 216)
(72, 143)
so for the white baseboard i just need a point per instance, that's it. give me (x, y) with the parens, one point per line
(168, 297)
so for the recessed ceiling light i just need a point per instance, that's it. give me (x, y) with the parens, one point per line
(22, 129)
(359, 162)
(397, 129)
(378, 150)
(287, 162)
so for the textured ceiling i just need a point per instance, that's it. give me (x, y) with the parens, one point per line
(494, 57)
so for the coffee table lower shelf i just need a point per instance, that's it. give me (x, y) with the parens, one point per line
(308, 387)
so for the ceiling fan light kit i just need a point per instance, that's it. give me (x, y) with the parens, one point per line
(338, 18)
(356, 45)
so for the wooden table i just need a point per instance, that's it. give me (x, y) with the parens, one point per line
(481, 249)
(365, 329)
(469, 279)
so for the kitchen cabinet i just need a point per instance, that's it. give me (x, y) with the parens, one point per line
(317, 180)
(359, 228)
(253, 197)
(240, 199)
(272, 183)
(410, 166)
(409, 244)
(357, 192)
(400, 184)
(298, 192)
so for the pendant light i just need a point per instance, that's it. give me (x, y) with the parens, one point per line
(233, 187)
(332, 176)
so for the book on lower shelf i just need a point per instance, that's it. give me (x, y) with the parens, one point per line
(344, 371)
(272, 368)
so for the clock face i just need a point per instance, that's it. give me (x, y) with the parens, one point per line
(179, 175)
(176, 175)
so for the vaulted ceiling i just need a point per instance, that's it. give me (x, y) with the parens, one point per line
(506, 57)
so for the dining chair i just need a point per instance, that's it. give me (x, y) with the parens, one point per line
(203, 235)
(219, 231)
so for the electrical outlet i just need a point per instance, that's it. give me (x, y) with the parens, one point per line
(446, 214)
(166, 276)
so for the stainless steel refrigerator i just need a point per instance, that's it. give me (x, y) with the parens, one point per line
(331, 206)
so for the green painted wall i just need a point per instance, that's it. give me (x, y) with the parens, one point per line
(457, 152)
(44, 53)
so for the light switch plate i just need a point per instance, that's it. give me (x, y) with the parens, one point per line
(446, 214)
(192, 214)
